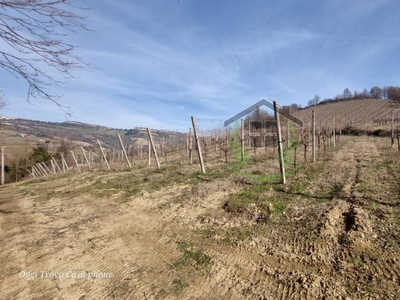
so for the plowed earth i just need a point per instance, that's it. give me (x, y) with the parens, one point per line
(333, 232)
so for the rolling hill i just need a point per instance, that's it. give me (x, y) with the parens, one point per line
(28, 132)
(365, 115)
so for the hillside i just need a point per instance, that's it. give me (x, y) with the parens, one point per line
(365, 115)
(28, 132)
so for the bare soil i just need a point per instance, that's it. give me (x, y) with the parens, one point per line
(333, 232)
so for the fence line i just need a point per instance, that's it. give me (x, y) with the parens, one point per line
(213, 145)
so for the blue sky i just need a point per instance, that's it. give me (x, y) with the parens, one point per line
(157, 62)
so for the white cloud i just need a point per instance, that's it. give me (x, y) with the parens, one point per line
(156, 67)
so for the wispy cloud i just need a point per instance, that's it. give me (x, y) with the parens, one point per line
(157, 63)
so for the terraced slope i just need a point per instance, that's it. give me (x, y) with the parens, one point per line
(367, 113)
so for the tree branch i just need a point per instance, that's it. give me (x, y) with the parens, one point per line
(35, 31)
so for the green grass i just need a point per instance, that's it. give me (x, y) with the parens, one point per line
(44, 197)
(299, 186)
(260, 178)
(191, 255)
(273, 205)
(178, 285)
(396, 217)
(236, 234)
(49, 178)
(238, 203)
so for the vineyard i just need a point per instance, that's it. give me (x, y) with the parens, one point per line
(146, 222)
(366, 115)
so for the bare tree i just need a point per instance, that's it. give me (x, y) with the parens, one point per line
(314, 101)
(347, 94)
(3, 100)
(34, 32)
(376, 92)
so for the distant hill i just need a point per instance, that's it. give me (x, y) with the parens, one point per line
(368, 115)
(29, 132)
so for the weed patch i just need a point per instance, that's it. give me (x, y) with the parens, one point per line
(236, 234)
(191, 255)
(178, 285)
(250, 202)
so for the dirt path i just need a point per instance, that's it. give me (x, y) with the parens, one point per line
(338, 237)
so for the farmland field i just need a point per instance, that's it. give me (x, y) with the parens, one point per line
(333, 232)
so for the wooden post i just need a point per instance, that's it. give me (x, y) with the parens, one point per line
(242, 140)
(196, 137)
(75, 160)
(39, 172)
(42, 168)
(2, 166)
(163, 148)
(56, 164)
(334, 132)
(190, 146)
(64, 163)
(124, 151)
(392, 134)
(104, 155)
(149, 153)
(53, 167)
(398, 142)
(249, 134)
(91, 159)
(46, 168)
(278, 129)
(313, 135)
(33, 172)
(187, 143)
(153, 147)
(226, 148)
(87, 161)
(287, 134)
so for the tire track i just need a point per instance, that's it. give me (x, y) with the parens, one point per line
(137, 242)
